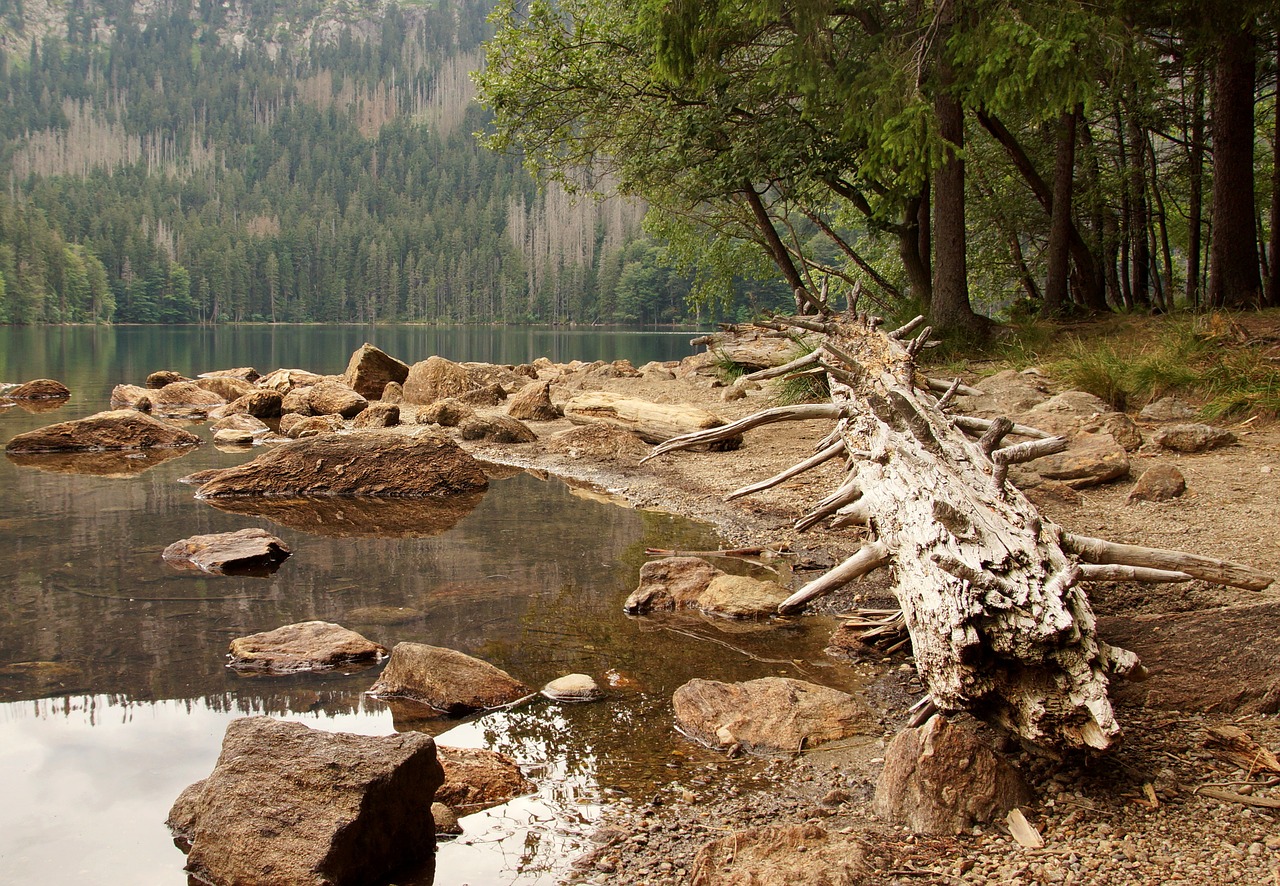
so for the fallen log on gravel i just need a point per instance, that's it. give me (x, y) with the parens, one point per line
(989, 589)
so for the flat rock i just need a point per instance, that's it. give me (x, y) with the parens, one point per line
(370, 369)
(1158, 483)
(184, 396)
(335, 398)
(115, 429)
(573, 688)
(285, 380)
(601, 441)
(1089, 460)
(941, 779)
(378, 415)
(740, 596)
(244, 373)
(533, 403)
(1192, 437)
(496, 429)
(783, 855)
(1167, 409)
(369, 463)
(247, 550)
(769, 715)
(1221, 660)
(286, 804)
(436, 378)
(447, 680)
(1079, 403)
(670, 583)
(476, 779)
(40, 389)
(1007, 393)
(297, 426)
(240, 421)
(224, 386)
(131, 397)
(233, 437)
(306, 646)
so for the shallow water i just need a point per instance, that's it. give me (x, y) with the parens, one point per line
(113, 690)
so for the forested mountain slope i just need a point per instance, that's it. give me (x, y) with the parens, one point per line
(233, 161)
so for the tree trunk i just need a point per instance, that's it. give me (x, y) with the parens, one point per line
(1140, 253)
(914, 260)
(1273, 278)
(1056, 290)
(1233, 259)
(1195, 199)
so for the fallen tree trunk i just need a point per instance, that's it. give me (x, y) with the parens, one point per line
(989, 589)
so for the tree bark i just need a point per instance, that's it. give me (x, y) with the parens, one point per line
(1273, 279)
(1195, 198)
(1139, 250)
(1056, 290)
(1233, 259)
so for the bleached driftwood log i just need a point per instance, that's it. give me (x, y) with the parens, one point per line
(989, 589)
(651, 422)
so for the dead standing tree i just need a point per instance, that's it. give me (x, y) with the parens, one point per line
(989, 589)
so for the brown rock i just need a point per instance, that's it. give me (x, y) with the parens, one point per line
(1167, 409)
(244, 373)
(435, 378)
(247, 550)
(496, 429)
(40, 389)
(297, 401)
(670, 583)
(260, 403)
(447, 680)
(116, 429)
(533, 403)
(241, 422)
(1053, 493)
(1193, 437)
(740, 596)
(335, 398)
(1091, 459)
(1158, 483)
(1122, 429)
(285, 380)
(940, 779)
(370, 369)
(367, 463)
(769, 715)
(297, 426)
(476, 779)
(226, 387)
(163, 377)
(448, 412)
(393, 393)
(1078, 403)
(184, 396)
(603, 441)
(290, 806)
(233, 437)
(131, 397)
(783, 855)
(306, 646)
(573, 688)
(1220, 660)
(447, 824)
(1007, 393)
(378, 415)
(487, 395)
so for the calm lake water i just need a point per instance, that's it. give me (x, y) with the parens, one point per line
(113, 691)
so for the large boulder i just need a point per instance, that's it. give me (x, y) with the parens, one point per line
(772, 715)
(40, 389)
(378, 415)
(306, 646)
(1089, 460)
(370, 370)
(475, 779)
(287, 805)
(533, 403)
(115, 429)
(670, 583)
(740, 596)
(335, 398)
(448, 412)
(783, 855)
(244, 373)
(940, 778)
(447, 680)
(184, 396)
(246, 550)
(368, 463)
(435, 378)
(259, 402)
(285, 380)
(131, 397)
(496, 429)
(224, 386)
(651, 422)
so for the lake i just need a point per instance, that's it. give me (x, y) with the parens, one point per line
(114, 694)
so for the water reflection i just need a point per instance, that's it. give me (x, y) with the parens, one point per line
(119, 465)
(350, 516)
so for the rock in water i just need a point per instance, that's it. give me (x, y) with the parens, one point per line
(371, 369)
(769, 715)
(475, 779)
(670, 583)
(572, 687)
(115, 429)
(306, 646)
(369, 463)
(290, 805)
(940, 779)
(447, 680)
(40, 389)
(228, 552)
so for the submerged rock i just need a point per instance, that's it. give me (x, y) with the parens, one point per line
(670, 583)
(475, 779)
(247, 550)
(352, 516)
(114, 429)
(449, 681)
(769, 715)
(573, 688)
(286, 804)
(306, 646)
(368, 463)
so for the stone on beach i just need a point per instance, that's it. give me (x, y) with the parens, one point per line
(111, 430)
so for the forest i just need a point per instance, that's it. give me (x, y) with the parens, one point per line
(239, 162)
(968, 158)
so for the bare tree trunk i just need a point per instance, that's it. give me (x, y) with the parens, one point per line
(1140, 286)
(915, 261)
(1233, 257)
(1056, 290)
(1195, 208)
(1273, 278)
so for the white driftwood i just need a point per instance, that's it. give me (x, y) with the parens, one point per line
(803, 412)
(651, 422)
(1116, 572)
(869, 558)
(1097, 550)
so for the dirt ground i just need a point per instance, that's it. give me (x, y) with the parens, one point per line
(1139, 815)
